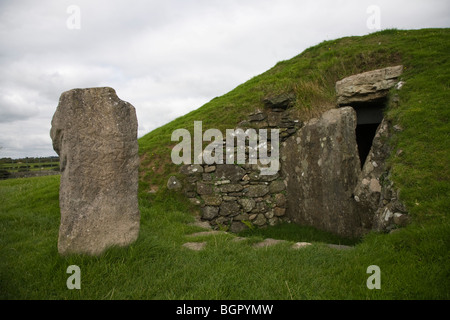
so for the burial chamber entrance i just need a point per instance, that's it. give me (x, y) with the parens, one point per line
(325, 161)
(321, 166)
(368, 94)
(369, 116)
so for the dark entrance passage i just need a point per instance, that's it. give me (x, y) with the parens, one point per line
(364, 138)
(369, 117)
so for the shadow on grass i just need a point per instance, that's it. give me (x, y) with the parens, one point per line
(297, 233)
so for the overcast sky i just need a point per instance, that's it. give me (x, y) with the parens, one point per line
(164, 57)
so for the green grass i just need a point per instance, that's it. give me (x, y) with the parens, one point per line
(414, 261)
(295, 233)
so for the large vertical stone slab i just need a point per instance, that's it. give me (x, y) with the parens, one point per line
(376, 196)
(95, 135)
(322, 167)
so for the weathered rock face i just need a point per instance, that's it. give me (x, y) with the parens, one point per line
(95, 135)
(322, 166)
(377, 199)
(368, 191)
(173, 183)
(367, 86)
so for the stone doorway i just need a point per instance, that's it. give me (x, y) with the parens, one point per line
(333, 164)
(369, 117)
(367, 93)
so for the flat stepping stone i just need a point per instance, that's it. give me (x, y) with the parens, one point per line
(205, 233)
(339, 247)
(201, 224)
(299, 245)
(267, 243)
(196, 246)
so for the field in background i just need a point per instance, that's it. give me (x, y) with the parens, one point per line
(14, 168)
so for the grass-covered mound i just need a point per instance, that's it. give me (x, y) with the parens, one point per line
(421, 171)
(413, 261)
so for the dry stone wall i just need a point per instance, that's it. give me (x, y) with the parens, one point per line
(236, 196)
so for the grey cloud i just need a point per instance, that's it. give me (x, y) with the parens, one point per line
(26, 138)
(165, 57)
(15, 107)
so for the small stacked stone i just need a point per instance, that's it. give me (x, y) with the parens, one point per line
(235, 196)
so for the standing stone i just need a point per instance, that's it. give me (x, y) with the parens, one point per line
(322, 166)
(95, 135)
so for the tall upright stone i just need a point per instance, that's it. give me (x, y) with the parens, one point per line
(322, 168)
(95, 135)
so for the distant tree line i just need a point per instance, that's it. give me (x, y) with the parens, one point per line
(8, 166)
(30, 160)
